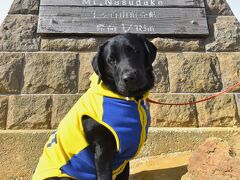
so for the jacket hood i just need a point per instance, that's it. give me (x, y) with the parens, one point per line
(101, 89)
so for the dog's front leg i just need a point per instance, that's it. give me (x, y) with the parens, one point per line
(103, 145)
(103, 160)
(125, 174)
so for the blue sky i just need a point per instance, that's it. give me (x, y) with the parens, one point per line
(235, 6)
(5, 5)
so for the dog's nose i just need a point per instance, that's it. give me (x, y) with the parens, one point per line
(129, 77)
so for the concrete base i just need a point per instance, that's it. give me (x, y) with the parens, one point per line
(162, 167)
(20, 150)
(171, 140)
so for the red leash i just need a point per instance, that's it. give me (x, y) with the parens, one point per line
(195, 102)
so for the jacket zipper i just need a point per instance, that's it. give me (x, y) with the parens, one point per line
(143, 120)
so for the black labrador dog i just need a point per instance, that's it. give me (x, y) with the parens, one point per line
(124, 65)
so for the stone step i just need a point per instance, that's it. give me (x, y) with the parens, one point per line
(20, 149)
(171, 166)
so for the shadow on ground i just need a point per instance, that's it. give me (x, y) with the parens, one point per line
(162, 174)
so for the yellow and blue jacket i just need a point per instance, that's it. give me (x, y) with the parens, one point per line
(67, 153)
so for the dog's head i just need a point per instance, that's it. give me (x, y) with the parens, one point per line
(124, 64)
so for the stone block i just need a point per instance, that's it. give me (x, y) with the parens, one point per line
(224, 34)
(86, 70)
(29, 112)
(11, 71)
(160, 67)
(18, 33)
(24, 7)
(237, 97)
(61, 105)
(51, 73)
(218, 112)
(230, 69)
(71, 44)
(3, 111)
(194, 72)
(178, 44)
(217, 7)
(173, 116)
(20, 152)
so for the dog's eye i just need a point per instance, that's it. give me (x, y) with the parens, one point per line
(136, 51)
(112, 60)
(131, 50)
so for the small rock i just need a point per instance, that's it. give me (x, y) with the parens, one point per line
(215, 159)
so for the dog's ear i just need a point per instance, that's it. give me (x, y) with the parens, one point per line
(150, 49)
(98, 62)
